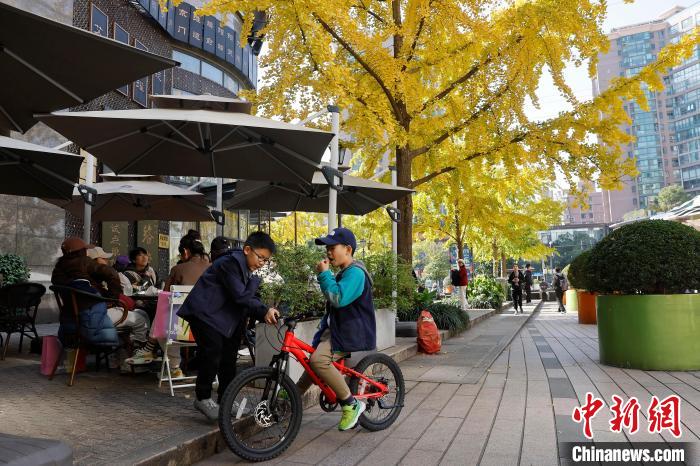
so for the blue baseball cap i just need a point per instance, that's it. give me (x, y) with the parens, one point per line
(339, 236)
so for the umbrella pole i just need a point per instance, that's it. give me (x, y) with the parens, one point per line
(87, 214)
(219, 203)
(296, 241)
(333, 194)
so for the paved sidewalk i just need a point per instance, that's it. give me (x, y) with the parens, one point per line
(518, 413)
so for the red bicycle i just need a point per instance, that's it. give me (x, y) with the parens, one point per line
(261, 410)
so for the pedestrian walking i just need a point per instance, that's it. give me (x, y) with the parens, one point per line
(560, 285)
(516, 280)
(462, 283)
(528, 283)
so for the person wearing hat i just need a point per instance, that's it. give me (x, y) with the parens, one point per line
(349, 324)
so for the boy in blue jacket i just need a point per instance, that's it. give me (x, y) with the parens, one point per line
(349, 324)
(217, 308)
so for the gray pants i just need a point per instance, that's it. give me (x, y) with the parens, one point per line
(136, 320)
(560, 300)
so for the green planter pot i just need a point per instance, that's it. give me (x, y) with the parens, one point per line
(571, 300)
(650, 332)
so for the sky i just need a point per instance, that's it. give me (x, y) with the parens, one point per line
(619, 14)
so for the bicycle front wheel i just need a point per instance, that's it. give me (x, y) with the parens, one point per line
(258, 422)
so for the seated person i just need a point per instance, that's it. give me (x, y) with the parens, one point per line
(120, 265)
(141, 274)
(219, 246)
(76, 265)
(349, 324)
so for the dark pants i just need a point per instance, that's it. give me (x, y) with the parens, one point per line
(517, 298)
(528, 293)
(216, 356)
(560, 300)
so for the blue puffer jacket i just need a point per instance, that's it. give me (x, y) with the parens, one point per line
(95, 325)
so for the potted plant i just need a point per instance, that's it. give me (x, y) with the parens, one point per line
(580, 281)
(485, 292)
(12, 270)
(647, 275)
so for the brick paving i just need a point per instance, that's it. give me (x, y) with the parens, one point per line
(517, 413)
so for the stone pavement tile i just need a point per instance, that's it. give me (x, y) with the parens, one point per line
(503, 446)
(414, 426)
(564, 406)
(458, 406)
(439, 397)
(322, 446)
(561, 388)
(424, 387)
(495, 380)
(568, 430)
(556, 373)
(539, 446)
(439, 435)
(420, 458)
(468, 389)
(389, 453)
(538, 394)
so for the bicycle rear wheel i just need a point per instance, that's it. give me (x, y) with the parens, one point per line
(255, 428)
(380, 413)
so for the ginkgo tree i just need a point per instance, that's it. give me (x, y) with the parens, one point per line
(494, 212)
(418, 77)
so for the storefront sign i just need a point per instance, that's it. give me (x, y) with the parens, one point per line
(115, 237)
(182, 22)
(210, 34)
(196, 30)
(163, 241)
(220, 41)
(147, 235)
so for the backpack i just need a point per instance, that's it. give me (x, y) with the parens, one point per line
(562, 283)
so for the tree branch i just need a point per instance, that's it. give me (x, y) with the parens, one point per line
(516, 139)
(414, 43)
(363, 63)
(455, 129)
(374, 15)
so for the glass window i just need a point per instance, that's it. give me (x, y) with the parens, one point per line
(187, 62)
(213, 73)
(231, 84)
(687, 23)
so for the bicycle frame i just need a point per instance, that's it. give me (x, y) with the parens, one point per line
(299, 349)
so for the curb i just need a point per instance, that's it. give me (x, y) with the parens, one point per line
(189, 450)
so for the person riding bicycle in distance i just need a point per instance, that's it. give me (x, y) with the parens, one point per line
(217, 308)
(349, 323)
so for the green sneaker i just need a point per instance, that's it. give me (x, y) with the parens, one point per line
(351, 413)
(283, 395)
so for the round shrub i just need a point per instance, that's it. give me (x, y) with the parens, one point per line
(647, 257)
(13, 269)
(446, 316)
(579, 272)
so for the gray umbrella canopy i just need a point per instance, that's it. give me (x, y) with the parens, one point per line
(195, 142)
(31, 170)
(133, 200)
(358, 196)
(48, 66)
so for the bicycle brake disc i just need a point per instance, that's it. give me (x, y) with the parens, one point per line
(263, 417)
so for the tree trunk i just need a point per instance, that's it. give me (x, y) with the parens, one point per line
(405, 204)
(495, 259)
(503, 264)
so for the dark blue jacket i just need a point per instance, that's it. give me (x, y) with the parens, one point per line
(95, 325)
(224, 295)
(353, 327)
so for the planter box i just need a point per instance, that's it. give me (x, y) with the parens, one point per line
(586, 307)
(268, 340)
(650, 332)
(570, 301)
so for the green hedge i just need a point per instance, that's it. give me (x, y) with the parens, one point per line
(579, 272)
(446, 316)
(13, 269)
(646, 257)
(485, 292)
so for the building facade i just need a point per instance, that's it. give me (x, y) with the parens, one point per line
(667, 133)
(212, 62)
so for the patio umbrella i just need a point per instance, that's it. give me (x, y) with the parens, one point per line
(31, 170)
(195, 141)
(48, 66)
(358, 196)
(132, 200)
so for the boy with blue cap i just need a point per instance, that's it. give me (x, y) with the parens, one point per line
(349, 323)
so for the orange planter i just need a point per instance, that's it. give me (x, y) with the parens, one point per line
(586, 307)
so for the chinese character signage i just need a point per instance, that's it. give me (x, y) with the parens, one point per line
(141, 86)
(147, 235)
(210, 34)
(158, 81)
(115, 237)
(182, 22)
(196, 30)
(163, 241)
(99, 22)
(230, 45)
(122, 36)
(220, 42)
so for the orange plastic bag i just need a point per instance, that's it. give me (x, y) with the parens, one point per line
(429, 340)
